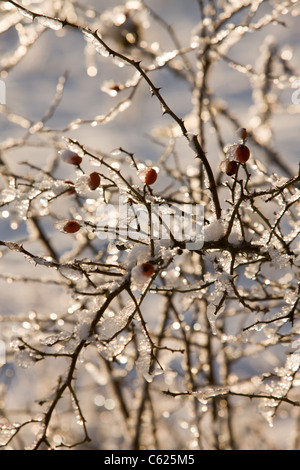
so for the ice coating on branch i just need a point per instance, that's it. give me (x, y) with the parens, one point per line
(214, 231)
(137, 255)
(210, 392)
(279, 389)
(291, 297)
(109, 350)
(212, 317)
(26, 14)
(279, 260)
(88, 34)
(82, 185)
(235, 237)
(84, 328)
(166, 57)
(6, 432)
(143, 362)
(70, 272)
(217, 304)
(191, 138)
(50, 22)
(54, 339)
(24, 358)
(7, 195)
(113, 323)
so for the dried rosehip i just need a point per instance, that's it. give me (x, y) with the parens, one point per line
(147, 269)
(147, 175)
(94, 180)
(231, 167)
(71, 226)
(242, 153)
(71, 157)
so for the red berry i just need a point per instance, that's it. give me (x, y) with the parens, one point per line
(147, 269)
(147, 175)
(94, 180)
(71, 157)
(141, 274)
(242, 153)
(231, 167)
(71, 226)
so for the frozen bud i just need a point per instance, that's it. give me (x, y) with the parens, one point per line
(71, 226)
(147, 175)
(94, 180)
(71, 157)
(242, 134)
(72, 189)
(111, 88)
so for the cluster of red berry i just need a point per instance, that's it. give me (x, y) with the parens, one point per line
(93, 181)
(236, 154)
(147, 175)
(73, 159)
